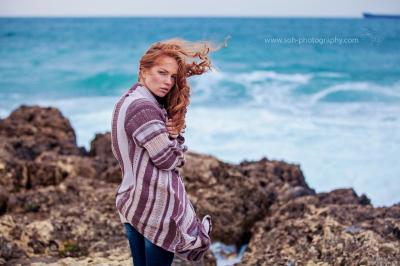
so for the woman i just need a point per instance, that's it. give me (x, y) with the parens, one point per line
(147, 126)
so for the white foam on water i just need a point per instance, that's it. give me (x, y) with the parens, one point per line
(225, 254)
(389, 91)
(266, 88)
(204, 86)
(262, 75)
(3, 113)
(330, 74)
(333, 156)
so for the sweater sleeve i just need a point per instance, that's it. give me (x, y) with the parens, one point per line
(145, 125)
(181, 141)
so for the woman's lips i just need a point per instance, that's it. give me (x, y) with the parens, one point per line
(164, 90)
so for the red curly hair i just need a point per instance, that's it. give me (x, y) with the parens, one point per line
(184, 52)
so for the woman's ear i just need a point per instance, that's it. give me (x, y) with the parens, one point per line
(142, 75)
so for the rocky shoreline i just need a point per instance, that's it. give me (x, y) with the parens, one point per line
(57, 205)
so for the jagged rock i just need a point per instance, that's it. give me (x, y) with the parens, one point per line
(237, 196)
(9, 250)
(37, 235)
(10, 246)
(47, 169)
(60, 206)
(325, 228)
(27, 134)
(101, 145)
(106, 165)
(79, 217)
(115, 256)
(50, 168)
(11, 169)
(32, 130)
(343, 196)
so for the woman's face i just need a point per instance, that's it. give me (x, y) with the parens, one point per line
(161, 77)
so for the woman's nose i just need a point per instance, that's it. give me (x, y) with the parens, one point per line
(169, 81)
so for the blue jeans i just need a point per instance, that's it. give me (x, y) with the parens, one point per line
(145, 253)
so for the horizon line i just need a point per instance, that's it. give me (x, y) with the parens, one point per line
(183, 16)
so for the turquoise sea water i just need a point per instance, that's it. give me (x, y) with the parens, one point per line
(322, 93)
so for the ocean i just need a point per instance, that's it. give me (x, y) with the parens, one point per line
(321, 93)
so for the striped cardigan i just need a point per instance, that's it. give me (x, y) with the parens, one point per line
(152, 195)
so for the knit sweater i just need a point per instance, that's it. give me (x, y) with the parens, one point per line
(152, 195)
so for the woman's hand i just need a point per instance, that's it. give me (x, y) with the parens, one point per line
(173, 132)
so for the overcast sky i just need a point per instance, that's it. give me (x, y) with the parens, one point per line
(277, 8)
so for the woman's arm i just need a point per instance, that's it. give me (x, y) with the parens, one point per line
(145, 124)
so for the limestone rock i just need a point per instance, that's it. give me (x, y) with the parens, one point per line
(57, 205)
(323, 230)
(237, 196)
(34, 129)
(106, 165)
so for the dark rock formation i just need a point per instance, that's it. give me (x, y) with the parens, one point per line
(334, 228)
(33, 130)
(106, 165)
(24, 136)
(237, 196)
(56, 201)
(57, 205)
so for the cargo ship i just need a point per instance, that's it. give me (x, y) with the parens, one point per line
(371, 15)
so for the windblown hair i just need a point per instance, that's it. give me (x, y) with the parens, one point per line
(185, 53)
